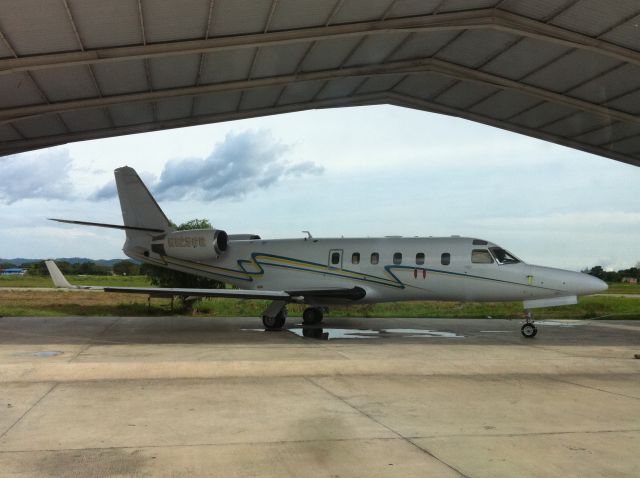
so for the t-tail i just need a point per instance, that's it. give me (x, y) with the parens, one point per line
(143, 219)
(150, 235)
(142, 216)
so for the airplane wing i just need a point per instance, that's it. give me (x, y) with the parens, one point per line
(355, 293)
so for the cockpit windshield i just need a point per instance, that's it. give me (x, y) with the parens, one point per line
(502, 256)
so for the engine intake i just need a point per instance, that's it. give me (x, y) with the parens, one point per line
(193, 244)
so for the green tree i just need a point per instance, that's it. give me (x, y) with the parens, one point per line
(597, 271)
(90, 268)
(126, 268)
(37, 268)
(163, 277)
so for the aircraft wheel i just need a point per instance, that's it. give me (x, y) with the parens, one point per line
(275, 323)
(529, 330)
(312, 315)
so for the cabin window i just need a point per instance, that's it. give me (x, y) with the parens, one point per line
(481, 256)
(397, 258)
(355, 258)
(375, 258)
(335, 258)
(504, 257)
(420, 258)
(445, 259)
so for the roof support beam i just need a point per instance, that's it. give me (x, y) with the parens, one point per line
(19, 146)
(396, 99)
(470, 19)
(425, 105)
(92, 73)
(407, 67)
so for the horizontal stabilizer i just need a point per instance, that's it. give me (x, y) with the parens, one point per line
(111, 226)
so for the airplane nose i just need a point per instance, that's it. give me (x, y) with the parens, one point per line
(590, 285)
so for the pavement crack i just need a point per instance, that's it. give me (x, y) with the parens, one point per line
(90, 343)
(193, 445)
(529, 434)
(396, 433)
(27, 411)
(569, 382)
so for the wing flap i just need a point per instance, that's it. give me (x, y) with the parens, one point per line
(223, 293)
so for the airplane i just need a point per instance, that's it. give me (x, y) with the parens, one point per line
(325, 272)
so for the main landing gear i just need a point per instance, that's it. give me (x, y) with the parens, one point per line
(528, 329)
(276, 315)
(312, 315)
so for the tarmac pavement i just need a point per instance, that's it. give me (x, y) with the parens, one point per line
(196, 396)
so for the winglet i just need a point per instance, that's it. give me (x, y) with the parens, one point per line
(59, 280)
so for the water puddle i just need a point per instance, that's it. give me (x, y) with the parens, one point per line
(47, 353)
(320, 333)
(558, 323)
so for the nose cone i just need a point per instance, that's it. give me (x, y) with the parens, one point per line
(587, 284)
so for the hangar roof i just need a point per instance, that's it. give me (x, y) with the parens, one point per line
(566, 71)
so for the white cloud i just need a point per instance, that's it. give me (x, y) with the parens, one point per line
(571, 220)
(240, 164)
(42, 176)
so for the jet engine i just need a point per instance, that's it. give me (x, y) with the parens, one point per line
(192, 245)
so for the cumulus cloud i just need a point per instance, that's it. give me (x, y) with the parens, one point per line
(238, 165)
(45, 176)
(565, 220)
(241, 163)
(109, 190)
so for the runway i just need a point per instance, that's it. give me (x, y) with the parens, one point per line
(196, 396)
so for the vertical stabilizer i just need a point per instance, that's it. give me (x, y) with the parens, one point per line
(139, 208)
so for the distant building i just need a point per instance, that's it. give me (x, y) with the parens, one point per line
(630, 280)
(13, 272)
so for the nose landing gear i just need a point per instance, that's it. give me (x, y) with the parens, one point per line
(528, 329)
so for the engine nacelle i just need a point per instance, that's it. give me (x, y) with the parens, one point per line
(193, 244)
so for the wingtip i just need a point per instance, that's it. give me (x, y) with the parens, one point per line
(59, 280)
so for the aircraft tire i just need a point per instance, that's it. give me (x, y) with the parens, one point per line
(312, 316)
(275, 323)
(528, 331)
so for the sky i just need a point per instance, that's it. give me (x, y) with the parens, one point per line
(353, 172)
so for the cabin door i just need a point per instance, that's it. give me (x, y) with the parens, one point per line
(335, 258)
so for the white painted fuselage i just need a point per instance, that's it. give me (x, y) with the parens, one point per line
(387, 269)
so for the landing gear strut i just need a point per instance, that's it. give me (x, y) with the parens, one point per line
(528, 329)
(312, 315)
(275, 322)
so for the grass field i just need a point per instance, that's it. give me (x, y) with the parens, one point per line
(83, 303)
(45, 281)
(95, 303)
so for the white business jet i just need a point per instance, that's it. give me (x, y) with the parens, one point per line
(323, 272)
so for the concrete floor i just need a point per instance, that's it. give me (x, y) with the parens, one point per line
(101, 396)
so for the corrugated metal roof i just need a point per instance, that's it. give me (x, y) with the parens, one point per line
(566, 71)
